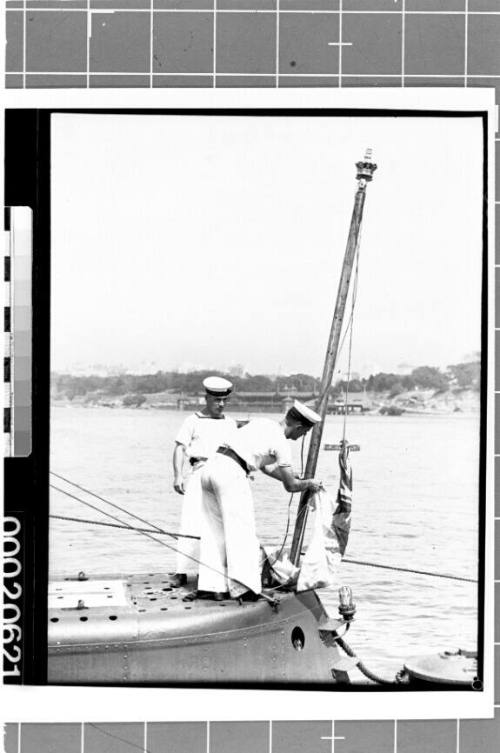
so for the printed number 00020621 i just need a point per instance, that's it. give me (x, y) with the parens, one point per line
(12, 591)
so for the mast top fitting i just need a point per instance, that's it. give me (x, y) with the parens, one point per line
(366, 167)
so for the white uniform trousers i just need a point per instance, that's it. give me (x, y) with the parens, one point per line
(229, 548)
(191, 523)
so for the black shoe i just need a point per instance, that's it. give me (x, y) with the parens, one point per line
(206, 595)
(178, 579)
(249, 596)
(219, 596)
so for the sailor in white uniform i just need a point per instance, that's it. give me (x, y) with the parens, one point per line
(198, 438)
(229, 550)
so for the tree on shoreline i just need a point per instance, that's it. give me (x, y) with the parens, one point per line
(457, 376)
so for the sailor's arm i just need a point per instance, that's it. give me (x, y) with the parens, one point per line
(285, 474)
(178, 462)
(272, 471)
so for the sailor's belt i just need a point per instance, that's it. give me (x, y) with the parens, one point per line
(195, 461)
(234, 456)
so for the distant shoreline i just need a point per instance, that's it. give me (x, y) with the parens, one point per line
(417, 402)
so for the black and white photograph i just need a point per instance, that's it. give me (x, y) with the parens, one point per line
(267, 399)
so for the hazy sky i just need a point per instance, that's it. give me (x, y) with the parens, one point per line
(192, 241)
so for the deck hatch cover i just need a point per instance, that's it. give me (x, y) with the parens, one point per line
(93, 593)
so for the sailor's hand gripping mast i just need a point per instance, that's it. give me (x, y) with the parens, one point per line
(365, 170)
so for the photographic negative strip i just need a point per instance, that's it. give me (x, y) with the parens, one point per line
(247, 274)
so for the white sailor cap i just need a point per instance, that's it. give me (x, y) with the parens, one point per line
(304, 415)
(217, 386)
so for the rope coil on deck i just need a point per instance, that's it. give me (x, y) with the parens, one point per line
(363, 668)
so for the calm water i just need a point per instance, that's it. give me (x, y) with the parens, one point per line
(415, 504)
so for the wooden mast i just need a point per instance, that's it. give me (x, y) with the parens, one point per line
(365, 170)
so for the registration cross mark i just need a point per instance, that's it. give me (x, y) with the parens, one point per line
(333, 737)
(340, 44)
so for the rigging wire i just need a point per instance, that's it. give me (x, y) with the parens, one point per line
(128, 528)
(409, 570)
(106, 501)
(118, 520)
(125, 527)
(350, 320)
(350, 330)
(349, 324)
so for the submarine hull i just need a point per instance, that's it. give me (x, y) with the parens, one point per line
(138, 630)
